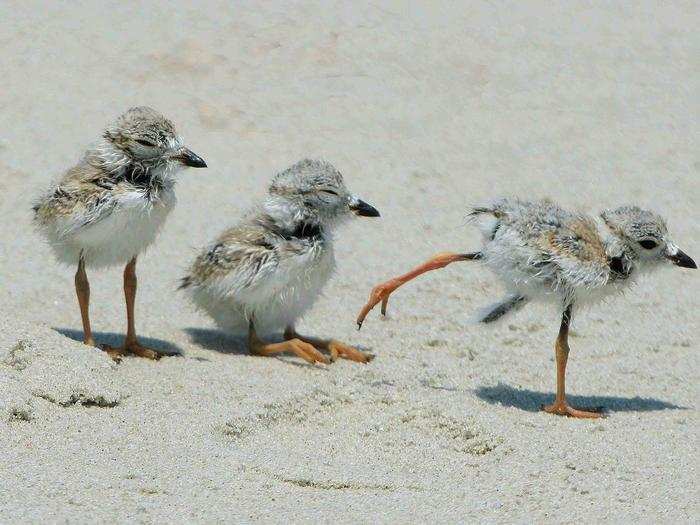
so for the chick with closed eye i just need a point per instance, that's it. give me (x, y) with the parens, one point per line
(109, 208)
(259, 277)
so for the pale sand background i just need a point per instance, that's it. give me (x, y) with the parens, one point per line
(426, 109)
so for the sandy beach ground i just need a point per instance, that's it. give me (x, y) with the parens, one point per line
(426, 108)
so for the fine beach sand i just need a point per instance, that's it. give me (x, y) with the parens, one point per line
(426, 109)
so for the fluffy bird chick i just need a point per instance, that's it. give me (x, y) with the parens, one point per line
(540, 251)
(110, 206)
(260, 276)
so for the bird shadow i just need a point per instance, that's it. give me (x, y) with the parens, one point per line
(115, 339)
(218, 341)
(224, 343)
(532, 401)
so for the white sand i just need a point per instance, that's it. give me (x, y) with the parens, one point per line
(426, 110)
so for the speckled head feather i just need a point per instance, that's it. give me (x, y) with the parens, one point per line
(141, 123)
(142, 133)
(307, 176)
(142, 141)
(643, 233)
(634, 223)
(313, 190)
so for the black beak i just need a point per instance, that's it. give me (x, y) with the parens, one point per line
(361, 208)
(683, 260)
(191, 159)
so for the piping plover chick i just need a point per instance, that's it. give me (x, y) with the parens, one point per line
(540, 251)
(110, 206)
(260, 276)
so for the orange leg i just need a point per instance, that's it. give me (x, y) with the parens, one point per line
(82, 289)
(336, 348)
(131, 344)
(382, 291)
(301, 348)
(560, 407)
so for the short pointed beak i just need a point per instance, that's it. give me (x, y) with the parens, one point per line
(682, 259)
(190, 158)
(361, 208)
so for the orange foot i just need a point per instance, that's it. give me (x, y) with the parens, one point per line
(562, 408)
(338, 349)
(130, 348)
(379, 294)
(295, 345)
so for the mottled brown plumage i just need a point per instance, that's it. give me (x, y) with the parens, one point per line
(260, 276)
(109, 207)
(541, 251)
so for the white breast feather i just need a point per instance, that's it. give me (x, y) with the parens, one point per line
(280, 294)
(114, 232)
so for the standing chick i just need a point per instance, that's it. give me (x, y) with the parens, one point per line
(541, 251)
(260, 276)
(110, 206)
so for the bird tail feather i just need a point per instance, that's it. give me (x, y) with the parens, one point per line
(480, 210)
(495, 312)
(185, 282)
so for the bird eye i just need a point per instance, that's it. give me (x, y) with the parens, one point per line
(146, 143)
(330, 192)
(648, 244)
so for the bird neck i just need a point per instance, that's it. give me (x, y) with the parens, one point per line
(622, 259)
(305, 230)
(290, 220)
(111, 159)
(108, 157)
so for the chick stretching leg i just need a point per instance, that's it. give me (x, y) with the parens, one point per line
(295, 345)
(543, 252)
(383, 291)
(560, 407)
(336, 348)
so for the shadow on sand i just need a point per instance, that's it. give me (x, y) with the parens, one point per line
(531, 401)
(218, 341)
(224, 343)
(116, 339)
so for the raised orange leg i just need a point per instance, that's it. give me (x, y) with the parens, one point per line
(381, 292)
(335, 347)
(301, 348)
(560, 407)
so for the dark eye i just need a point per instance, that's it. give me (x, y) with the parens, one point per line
(329, 192)
(146, 143)
(648, 244)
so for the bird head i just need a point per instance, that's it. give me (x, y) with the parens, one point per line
(645, 236)
(315, 189)
(145, 137)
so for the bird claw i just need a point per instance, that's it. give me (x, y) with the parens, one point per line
(379, 293)
(341, 350)
(385, 304)
(562, 408)
(307, 352)
(117, 354)
(130, 348)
